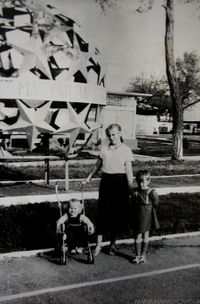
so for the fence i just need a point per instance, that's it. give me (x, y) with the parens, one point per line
(46, 160)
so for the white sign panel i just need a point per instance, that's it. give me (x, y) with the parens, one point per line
(51, 90)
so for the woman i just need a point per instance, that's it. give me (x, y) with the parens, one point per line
(115, 160)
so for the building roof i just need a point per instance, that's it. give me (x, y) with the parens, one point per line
(129, 94)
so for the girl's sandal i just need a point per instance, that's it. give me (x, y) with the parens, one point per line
(136, 260)
(142, 259)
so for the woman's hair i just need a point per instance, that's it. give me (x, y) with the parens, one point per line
(141, 174)
(113, 126)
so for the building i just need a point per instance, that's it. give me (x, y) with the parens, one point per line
(121, 109)
(191, 118)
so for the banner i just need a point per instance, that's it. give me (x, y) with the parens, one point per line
(12, 88)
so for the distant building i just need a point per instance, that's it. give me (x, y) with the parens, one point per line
(191, 118)
(121, 109)
(146, 125)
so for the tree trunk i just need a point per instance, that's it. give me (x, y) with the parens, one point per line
(177, 149)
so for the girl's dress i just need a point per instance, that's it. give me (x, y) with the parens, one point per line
(113, 203)
(144, 210)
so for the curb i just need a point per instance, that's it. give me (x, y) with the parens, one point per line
(29, 253)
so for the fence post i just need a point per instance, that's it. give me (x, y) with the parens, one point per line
(46, 163)
(46, 147)
(66, 175)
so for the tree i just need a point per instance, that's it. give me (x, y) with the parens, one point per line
(175, 94)
(159, 89)
(188, 73)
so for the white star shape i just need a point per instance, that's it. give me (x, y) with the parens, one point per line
(32, 122)
(75, 123)
(35, 54)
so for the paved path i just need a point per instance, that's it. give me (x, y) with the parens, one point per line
(25, 199)
(171, 273)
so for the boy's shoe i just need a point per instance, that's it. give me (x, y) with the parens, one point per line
(142, 259)
(136, 260)
(73, 251)
(79, 250)
(112, 250)
(97, 250)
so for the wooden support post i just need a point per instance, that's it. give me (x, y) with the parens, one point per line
(46, 171)
(46, 147)
(66, 175)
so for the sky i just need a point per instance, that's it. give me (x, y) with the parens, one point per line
(132, 44)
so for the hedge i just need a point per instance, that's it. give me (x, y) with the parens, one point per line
(32, 226)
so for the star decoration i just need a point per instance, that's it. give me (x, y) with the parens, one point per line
(34, 54)
(32, 122)
(39, 42)
(57, 37)
(75, 124)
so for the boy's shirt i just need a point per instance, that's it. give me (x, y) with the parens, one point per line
(144, 197)
(81, 218)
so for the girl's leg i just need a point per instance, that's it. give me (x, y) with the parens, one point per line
(98, 245)
(144, 246)
(138, 242)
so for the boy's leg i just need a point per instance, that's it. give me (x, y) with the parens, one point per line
(144, 247)
(71, 239)
(98, 245)
(138, 242)
(82, 238)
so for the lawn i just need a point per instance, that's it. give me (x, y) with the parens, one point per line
(161, 145)
(81, 170)
(30, 188)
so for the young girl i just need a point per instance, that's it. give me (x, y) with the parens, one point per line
(145, 200)
(115, 161)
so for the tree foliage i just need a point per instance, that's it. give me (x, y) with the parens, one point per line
(188, 73)
(159, 89)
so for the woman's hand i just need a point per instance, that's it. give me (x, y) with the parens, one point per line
(85, 181)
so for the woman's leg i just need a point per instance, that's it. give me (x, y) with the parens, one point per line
(98, 245)
(112, 248)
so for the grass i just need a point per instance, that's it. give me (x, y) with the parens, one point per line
(78, 170)
(157, 147)
(153, 146)
(22, 188)
(32, 226)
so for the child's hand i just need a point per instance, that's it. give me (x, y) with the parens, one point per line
(58, 228)
(90, 229)
(90, 226)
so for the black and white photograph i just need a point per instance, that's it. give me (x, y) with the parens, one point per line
(100, 151)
